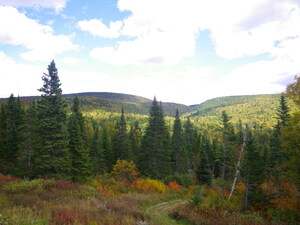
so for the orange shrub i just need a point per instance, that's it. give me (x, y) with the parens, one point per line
(174, 185)
(5, 179)
(149, 185)
(125, 170)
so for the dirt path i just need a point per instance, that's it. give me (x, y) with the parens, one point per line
(160, 212)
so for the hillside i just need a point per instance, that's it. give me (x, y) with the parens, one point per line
(259, 109)
(113, 102)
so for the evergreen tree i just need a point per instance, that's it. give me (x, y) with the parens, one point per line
(277, 157)
(254, 167)
(121, 144)
(96, 154)
(156, 157)
(107, 150)
(135, 142)
(12, 119)
(29, 141)
(203, 172)
(180, 157)
(80, 159)
(52, 158)
(228, 139)
(190, 142)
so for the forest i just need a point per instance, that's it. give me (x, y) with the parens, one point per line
(64, 160)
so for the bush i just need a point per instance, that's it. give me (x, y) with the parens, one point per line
(24, 186)
(125, 170)
(181, 179)
(149, 185)
(6, 179)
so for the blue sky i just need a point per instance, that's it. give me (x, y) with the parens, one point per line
(181, 51)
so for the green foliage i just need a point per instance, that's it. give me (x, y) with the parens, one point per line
(180, 156)
(24, 186)
(80, 158)
(125, 170)
(156, 157)
(121, 142)
(181, 179)
(52, 158)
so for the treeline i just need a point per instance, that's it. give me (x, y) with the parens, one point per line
(46, 140)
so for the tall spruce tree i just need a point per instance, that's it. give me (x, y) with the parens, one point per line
(107, 149)
(277, 156)
(80, 159)
(254, 167)
(52, 158)
(190, 142)
(180, 157)
(156, 158)
(12, 119)
(29, 141)
(203, 171)
(121, 143)
(228, 139)
(96, 153)
(135, 142)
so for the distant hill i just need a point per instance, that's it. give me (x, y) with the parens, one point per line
(259, 109)
(113, 102)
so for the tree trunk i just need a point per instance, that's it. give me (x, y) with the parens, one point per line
(239, 163)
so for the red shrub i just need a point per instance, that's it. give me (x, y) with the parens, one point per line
(174, 185)
(5, 179)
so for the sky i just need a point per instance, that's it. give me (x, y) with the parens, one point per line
(183, 51)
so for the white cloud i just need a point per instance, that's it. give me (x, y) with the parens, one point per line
(71, 61)
(19, 79)
(58, 5)
(39, 39)
(238, 28)
(155, 48)
(98, 28)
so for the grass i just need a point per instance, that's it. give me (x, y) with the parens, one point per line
(41, 201)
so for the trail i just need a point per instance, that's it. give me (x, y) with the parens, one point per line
(160, 212)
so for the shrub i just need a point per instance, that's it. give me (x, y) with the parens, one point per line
(173, 185)
(125, 170)
(60, 185)
(181, 179)
(23, 186)
(5, 179)
(110, 186)
(149, 185)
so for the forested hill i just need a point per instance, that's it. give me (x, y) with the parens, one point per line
(113, 102)
(248, 108)
(259, 109)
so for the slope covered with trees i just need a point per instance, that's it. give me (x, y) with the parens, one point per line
(229, 167)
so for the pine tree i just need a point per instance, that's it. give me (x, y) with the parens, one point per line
(203, 172)
(135, 142)
(277, 156)
(96, 154)
(180, 157)
(121, 144)
(29, 141)
(156, 157)
(228, 138)
(52, 158)
(190, 142)
(12, 119)
(107, 150)
(80, 159)
(254, 167)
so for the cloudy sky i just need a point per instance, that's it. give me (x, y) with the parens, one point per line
(184, 51)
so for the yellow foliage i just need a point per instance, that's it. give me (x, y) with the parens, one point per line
(125, 170)
(149, 185)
